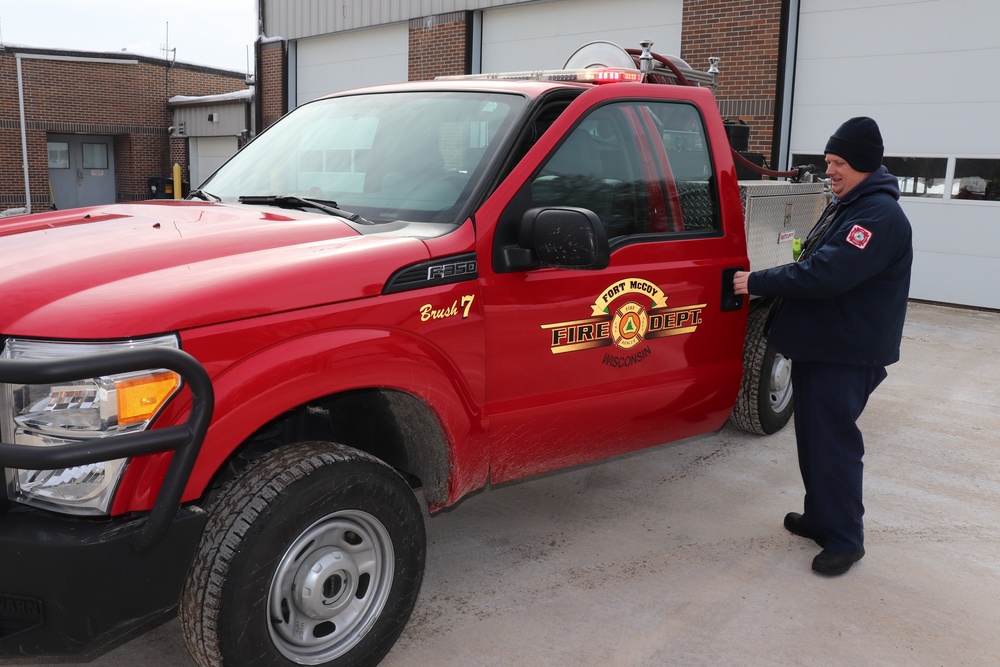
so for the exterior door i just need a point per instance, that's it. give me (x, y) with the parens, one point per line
(600, 362)
(81, 170)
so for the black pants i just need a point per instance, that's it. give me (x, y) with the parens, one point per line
(829, 399)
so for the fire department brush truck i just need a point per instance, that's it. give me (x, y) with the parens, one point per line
(223, 406)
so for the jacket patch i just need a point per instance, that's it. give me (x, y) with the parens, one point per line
(859, 236)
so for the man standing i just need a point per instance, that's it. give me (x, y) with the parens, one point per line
(839, 318)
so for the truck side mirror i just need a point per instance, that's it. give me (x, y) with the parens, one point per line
(565, 237)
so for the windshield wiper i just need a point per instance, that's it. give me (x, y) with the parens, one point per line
(294, 201)
(201, 194)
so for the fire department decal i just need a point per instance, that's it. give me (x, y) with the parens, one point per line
(629, 326)
(626, 314)
(859, 236)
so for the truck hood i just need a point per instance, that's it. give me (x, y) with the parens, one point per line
(145, 268)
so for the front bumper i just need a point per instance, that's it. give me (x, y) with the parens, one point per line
(71, 586)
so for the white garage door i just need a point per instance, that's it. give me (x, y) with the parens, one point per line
(345, 60)
(916, 68)
(208, 154)
(543, 35)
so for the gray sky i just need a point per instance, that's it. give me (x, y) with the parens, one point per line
(217, 33)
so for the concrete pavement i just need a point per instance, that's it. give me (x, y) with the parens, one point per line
(677, 555)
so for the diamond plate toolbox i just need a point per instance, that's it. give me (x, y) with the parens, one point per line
(777, 212)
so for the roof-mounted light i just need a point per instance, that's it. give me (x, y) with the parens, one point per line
(596, 75)
(610, 75)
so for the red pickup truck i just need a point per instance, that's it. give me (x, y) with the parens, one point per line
(227, 405)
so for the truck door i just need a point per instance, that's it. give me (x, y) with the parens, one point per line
(583, 364)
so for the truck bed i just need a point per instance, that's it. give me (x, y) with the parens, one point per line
(776, 212)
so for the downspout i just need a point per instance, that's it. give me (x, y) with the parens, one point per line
(474, 43)
(787, 55)
(258, 88)
(24, 136)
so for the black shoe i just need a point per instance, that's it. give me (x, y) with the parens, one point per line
(794, 525)
(830, 563)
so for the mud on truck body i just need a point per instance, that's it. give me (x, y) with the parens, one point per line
(223, 405)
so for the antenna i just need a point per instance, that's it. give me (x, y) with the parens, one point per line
(251, 77)
(170, 55)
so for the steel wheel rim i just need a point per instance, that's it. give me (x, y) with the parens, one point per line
(779, 384)
(330, 587)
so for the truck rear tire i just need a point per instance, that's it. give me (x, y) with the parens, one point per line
(764, 404)
(314, 555)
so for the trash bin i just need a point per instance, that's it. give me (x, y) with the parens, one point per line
(738, 133)
(163, 188)
(160, 188)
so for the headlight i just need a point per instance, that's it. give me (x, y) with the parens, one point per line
(46, 415)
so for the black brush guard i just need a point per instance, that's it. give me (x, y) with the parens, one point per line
(184, 440)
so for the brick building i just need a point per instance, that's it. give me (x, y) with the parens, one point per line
(791, 70)
(96, 126)
(746, 38)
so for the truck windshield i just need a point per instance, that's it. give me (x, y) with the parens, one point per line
(412, 156)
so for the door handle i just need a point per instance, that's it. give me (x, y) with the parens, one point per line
(730, 299)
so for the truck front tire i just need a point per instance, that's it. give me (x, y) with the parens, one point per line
(764, 404)
(314, 555)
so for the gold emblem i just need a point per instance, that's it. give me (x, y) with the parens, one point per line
(629, 324)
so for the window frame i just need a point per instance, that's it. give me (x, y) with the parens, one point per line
(644, 147)
(67, 163)
(949, 182)
(104, 153)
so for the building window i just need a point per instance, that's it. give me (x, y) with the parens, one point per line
(95, 156)
(818, 163)
(58, 155)
(976, 179)
(918, 176)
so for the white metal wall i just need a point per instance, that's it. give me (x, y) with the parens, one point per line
(350, 59)
(924, 71)
(543, 35)
(210, 120)
(293, 19)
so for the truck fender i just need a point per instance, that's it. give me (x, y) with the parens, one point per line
(263, 386)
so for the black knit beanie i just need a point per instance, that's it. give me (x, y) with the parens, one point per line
(859, 142)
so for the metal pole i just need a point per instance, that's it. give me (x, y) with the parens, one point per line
(782, 156)
(24, 136)
(177, 181)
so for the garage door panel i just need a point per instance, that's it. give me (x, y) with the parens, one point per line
(918, 69)
(345, 60)
(544, 35)
(208, 154)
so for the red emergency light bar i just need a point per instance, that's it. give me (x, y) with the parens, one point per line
(613, 75)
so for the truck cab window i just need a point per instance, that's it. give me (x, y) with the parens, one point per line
(644, 169)
(689, 164)
(597, 168)
(542, 120)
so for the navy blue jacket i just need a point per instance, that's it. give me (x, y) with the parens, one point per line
(845, 300)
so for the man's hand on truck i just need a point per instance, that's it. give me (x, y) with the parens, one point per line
(740, 279)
